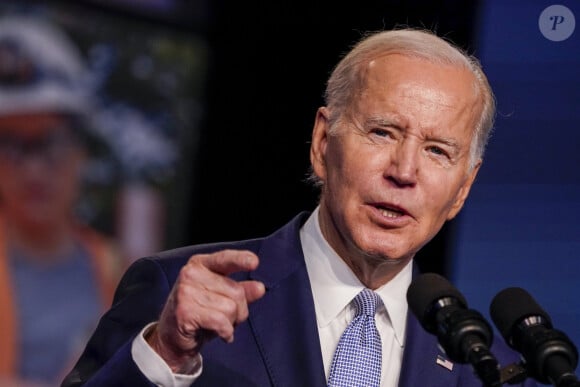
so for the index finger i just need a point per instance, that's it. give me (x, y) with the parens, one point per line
(226, 262)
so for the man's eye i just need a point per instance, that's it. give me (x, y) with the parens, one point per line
(437, 151)
(382, 133)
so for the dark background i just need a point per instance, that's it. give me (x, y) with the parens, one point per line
(267, 65)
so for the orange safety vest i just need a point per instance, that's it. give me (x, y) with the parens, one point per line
(107, 266)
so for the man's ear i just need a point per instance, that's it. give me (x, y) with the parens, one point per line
(319, 143)
(463, 192)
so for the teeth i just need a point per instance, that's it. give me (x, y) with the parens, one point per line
(390, 213)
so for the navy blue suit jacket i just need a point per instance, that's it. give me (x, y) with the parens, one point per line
(277, 346)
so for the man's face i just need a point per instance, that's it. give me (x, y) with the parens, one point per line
(398, 167)
(40, 163)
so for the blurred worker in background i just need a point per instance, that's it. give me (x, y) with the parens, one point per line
(57, 274)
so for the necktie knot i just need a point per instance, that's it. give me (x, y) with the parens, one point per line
(366, 303)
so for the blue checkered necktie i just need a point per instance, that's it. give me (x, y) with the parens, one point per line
(357, 359)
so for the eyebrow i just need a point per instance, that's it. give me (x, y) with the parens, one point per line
(393, 121)
(444, 140)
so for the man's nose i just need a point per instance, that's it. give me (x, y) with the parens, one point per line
(404, 165)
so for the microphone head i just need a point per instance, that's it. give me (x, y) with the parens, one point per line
(510, 306)
(427, 289)
(550, 356)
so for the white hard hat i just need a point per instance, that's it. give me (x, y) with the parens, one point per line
(41, 70)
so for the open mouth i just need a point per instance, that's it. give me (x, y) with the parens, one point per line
(390, 212)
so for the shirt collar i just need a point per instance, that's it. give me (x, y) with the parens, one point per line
(334, 285)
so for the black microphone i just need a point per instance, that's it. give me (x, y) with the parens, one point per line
(463, 333)
(549, 354)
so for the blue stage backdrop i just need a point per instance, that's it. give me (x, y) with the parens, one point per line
(521, 224)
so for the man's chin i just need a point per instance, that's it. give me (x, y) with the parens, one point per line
(386, 257)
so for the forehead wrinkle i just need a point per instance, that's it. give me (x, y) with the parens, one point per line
(448, 108)
(426, 96)
(387, 120)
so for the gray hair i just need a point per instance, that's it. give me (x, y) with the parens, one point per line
(348, 77)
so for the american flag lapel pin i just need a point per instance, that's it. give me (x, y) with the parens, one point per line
(445, 363)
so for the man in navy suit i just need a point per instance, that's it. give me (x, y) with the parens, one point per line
(394, 151)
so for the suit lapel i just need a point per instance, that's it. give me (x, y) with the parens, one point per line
(420, 366)
(284, 320)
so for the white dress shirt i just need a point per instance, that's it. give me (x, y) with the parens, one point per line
(334, 286)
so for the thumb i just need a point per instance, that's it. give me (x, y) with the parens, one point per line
(254, 290)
